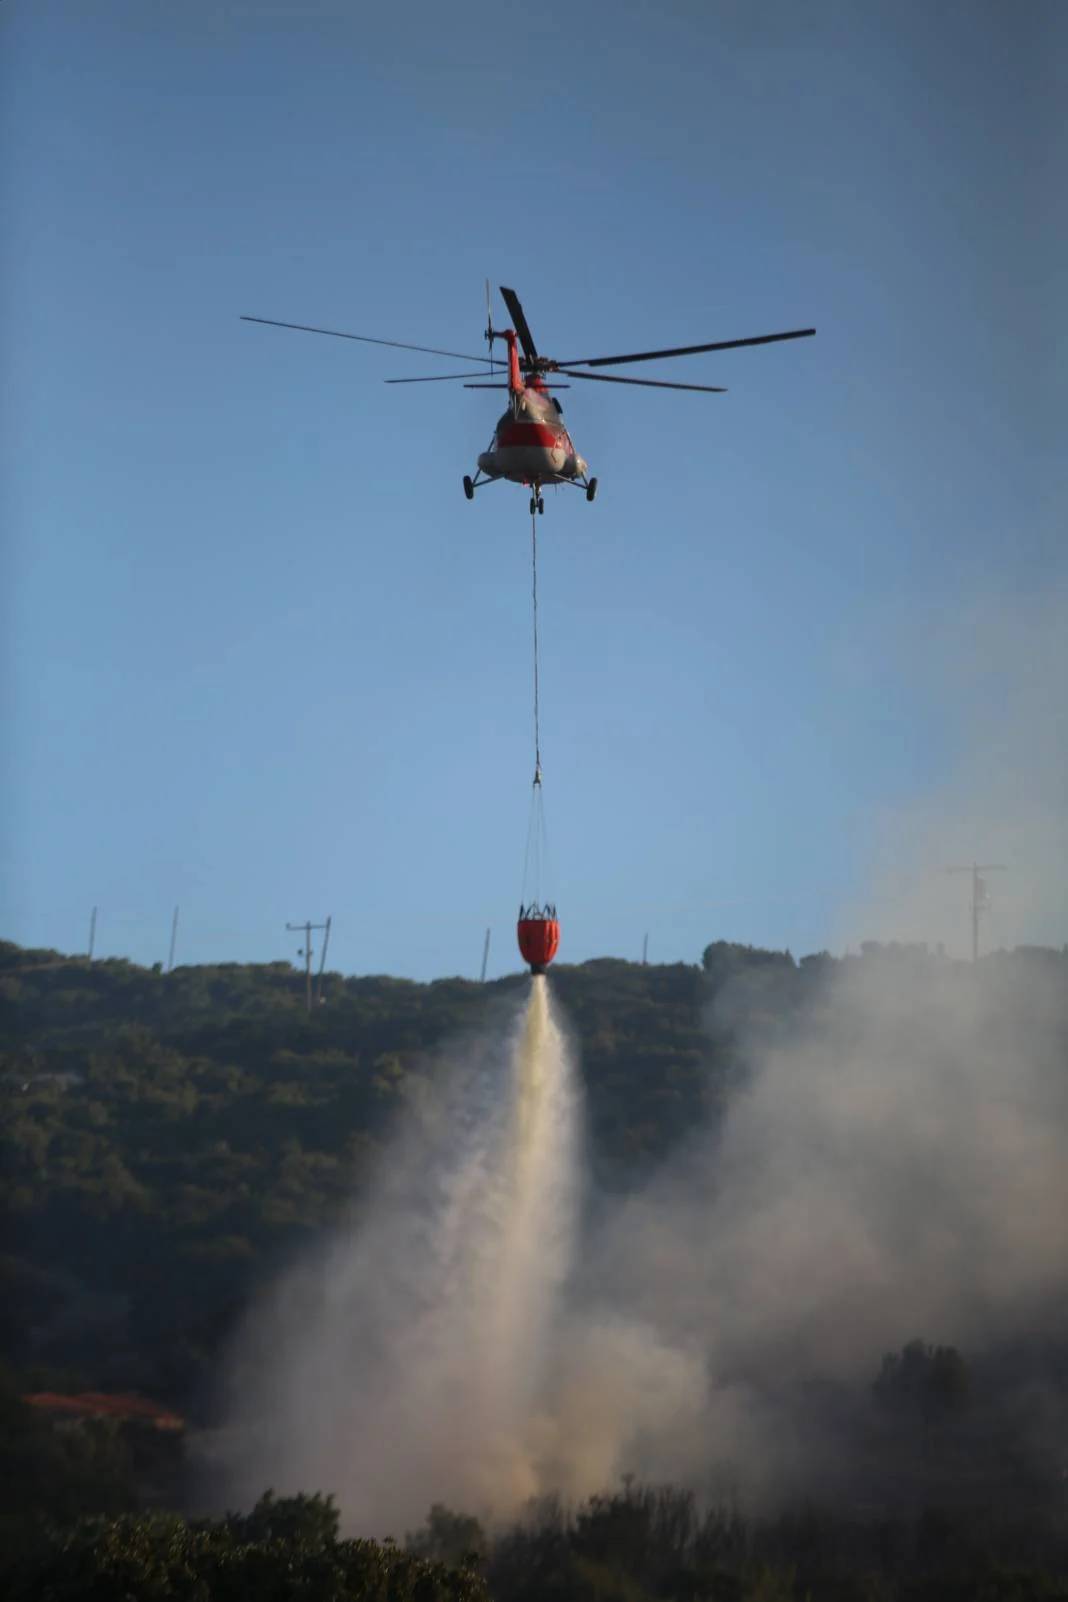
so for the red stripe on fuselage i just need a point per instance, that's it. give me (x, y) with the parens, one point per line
(528, 434)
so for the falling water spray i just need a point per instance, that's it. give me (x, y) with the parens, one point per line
(537, 1185)
(410, 1362)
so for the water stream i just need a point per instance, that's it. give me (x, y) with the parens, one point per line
(409, 1364)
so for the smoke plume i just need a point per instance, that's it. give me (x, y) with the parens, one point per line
(894, 1168)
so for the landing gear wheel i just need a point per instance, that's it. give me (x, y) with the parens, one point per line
(541, 504)
(533, 506)
(469, 488)
(591, 490)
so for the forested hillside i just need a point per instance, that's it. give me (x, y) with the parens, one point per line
(171, 1139)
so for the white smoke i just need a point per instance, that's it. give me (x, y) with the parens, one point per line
(895, 1168)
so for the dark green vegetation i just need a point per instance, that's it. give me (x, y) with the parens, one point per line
(283, 1551)
(653, 1544)
(172, 1141)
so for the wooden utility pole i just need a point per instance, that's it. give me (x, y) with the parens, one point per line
(322, 962)
(306, 952)
(980, 894)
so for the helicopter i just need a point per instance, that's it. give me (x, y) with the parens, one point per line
(531, 445)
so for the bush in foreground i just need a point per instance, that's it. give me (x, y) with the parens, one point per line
(285, 1550)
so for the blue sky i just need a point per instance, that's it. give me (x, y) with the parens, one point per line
(264, 661)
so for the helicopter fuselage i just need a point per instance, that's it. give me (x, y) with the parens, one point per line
(531, 444)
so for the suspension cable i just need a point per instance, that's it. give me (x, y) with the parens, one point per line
(534, 591)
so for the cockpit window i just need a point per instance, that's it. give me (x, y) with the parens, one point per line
(559, 408)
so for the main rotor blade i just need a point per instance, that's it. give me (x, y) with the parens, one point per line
(646, 383)
(687, 350)
(365, 339)
(544, 386)
(515, 310)
(438, 378)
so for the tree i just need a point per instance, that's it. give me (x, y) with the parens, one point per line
(309, 1523)
(928, 1383)
(448, 1537)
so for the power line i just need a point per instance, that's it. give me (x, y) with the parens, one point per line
(980, 894)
